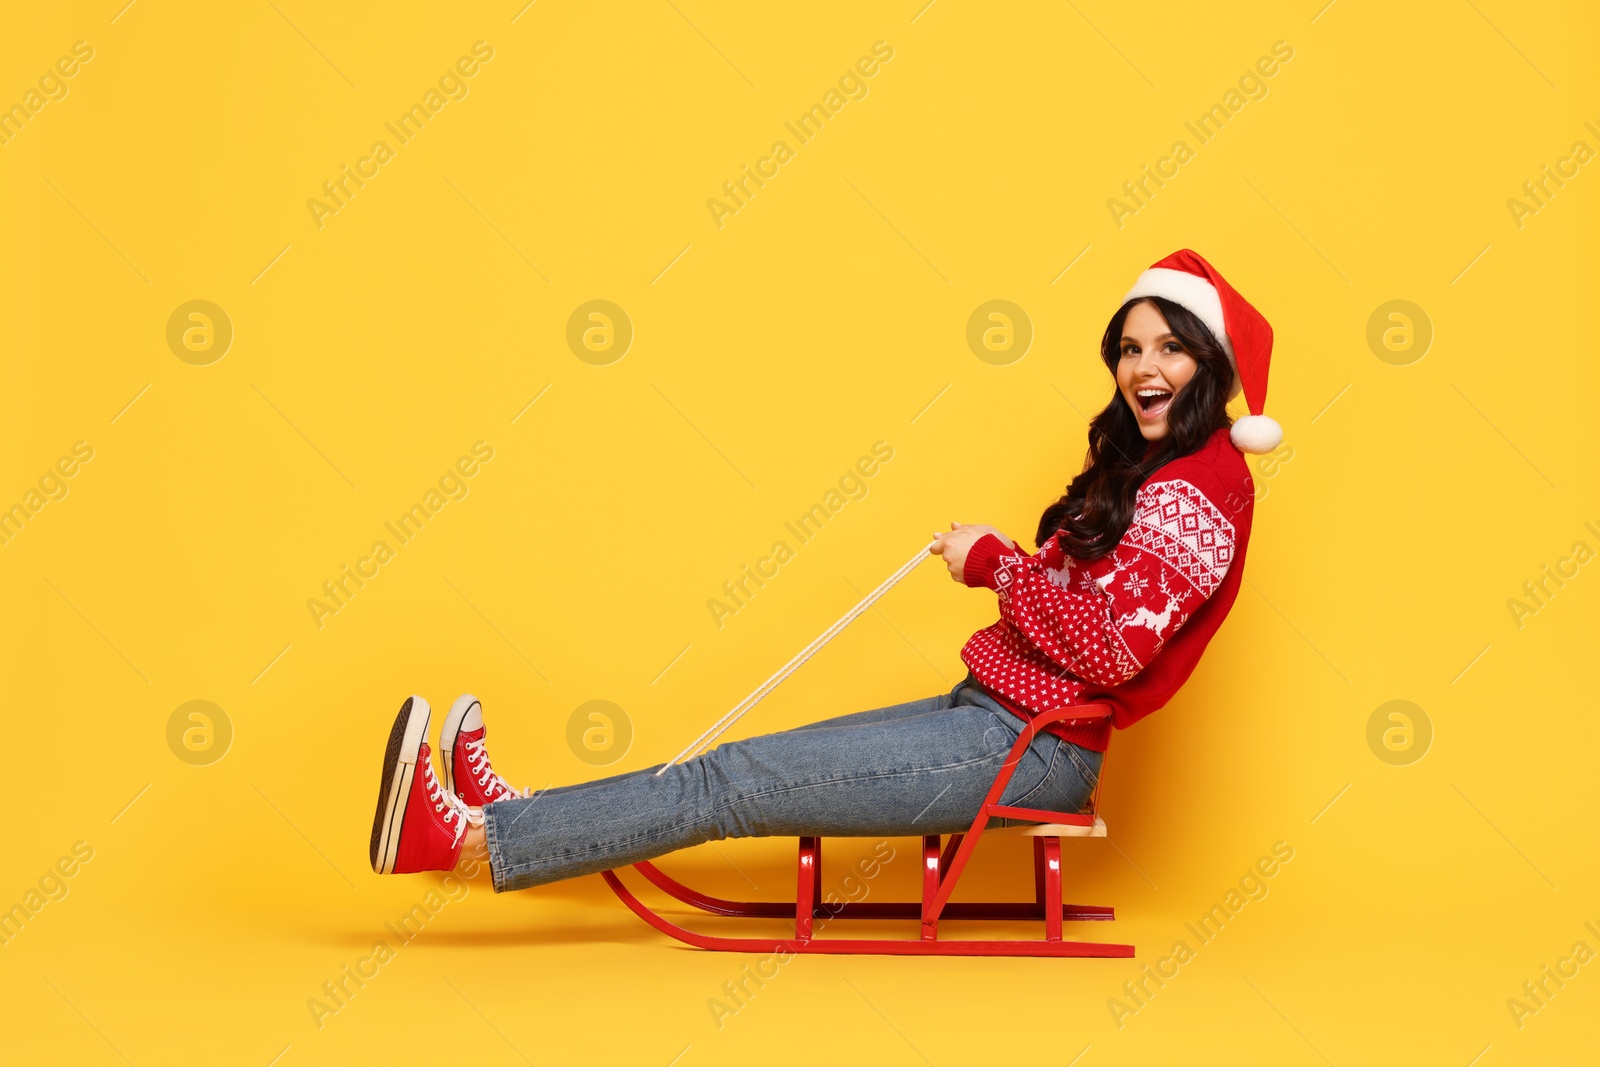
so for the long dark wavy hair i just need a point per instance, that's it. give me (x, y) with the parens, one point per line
(1094, 513)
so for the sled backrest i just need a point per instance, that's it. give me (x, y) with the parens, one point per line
(1083, 823)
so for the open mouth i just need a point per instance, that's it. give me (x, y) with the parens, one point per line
(1152, 402)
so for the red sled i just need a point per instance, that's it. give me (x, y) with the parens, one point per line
(942, 864)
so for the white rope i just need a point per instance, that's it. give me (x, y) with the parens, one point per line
(733, 716)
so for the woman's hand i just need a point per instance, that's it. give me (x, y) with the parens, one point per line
(954, 546)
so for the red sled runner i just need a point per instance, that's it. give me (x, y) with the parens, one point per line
(942, 864)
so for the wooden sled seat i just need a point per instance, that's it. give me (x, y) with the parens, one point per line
(1052, 829)
(942, 864)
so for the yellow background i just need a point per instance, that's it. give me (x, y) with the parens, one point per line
(769, 355)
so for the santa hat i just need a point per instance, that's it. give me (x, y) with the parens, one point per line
(1244, 333)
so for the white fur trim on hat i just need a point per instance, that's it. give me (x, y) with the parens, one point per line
(1190, 291)
(1256, 434)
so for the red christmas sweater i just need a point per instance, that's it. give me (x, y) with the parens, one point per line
(1129, 627)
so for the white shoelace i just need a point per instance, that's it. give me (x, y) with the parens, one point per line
(454, 808)
(496, 787)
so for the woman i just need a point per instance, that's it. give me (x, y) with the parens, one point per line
(1139, 562)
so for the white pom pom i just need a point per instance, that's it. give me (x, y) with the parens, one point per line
(1256, 434)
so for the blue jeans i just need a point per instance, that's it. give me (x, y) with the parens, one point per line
(921, 767)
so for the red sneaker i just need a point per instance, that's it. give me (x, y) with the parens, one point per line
(418, 826)
(468, 774)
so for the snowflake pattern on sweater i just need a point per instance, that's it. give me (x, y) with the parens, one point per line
(1067, 625)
